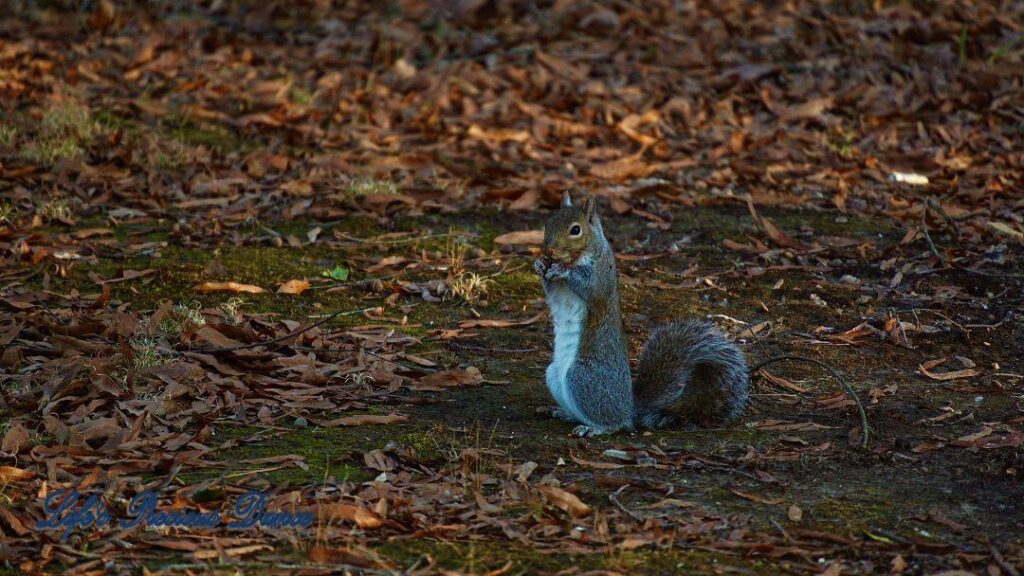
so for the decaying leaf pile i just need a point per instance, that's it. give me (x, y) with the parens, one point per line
(190, 190)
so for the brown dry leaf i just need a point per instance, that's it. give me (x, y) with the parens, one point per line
(794, 513)
(230, 552)
(972, 439)
(752, 249)
(834, 569)
(499, 135)
(670, 503)
(628, 167)
(86, 233)
(449, 379)
(898, 565)
(295, 287)
(10, 474)
(565, 501)
(809, 110)
(483, 504)
(386, 262)
(928, 446)
(129, 275)
(16, 436)
(597, 465)
(527, 200)
(522, 238)
(377, 460)
(925, 368)
(14, 521)
(634, 543)
(784, 426)
(365, 419)
(213, 336)
(524, 471)
(336, 556)
(778, 236)
(363, 517)
(207, 287)
(782, 382)
(757, 498)
(497, 323)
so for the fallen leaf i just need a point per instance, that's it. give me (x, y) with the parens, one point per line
(670, 503)
(336, 556)
(953, 375)
(782, 382)
(11, 474)
(207, 287)
(129, 275)
(524, 470)
(497, 323)
(522, 238)
(230, 552)
(365, 419)
(295, 287)
(972, 439)
(449, 379)
(339, 273)
(592, 464)
(499, 135)
(794, 513)
(16, 436)
(363, 517)
(757, 498)
(565, 501)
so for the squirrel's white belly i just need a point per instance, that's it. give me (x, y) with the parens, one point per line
(567, 315)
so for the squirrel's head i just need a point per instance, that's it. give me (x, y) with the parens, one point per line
(571, 230)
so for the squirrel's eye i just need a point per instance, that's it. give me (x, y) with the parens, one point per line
(575, 230)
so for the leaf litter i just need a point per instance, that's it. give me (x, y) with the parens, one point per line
(139, 130)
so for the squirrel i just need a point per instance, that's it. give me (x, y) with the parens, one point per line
(688, 372)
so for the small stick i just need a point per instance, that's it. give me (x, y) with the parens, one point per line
(1002, 561)
(928, 237)
(1008, 316)
(615, 501)
(846, 387)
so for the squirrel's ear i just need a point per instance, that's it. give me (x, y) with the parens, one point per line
(566, 199)
(590, 207)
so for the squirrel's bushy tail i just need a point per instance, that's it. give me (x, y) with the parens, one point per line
(689, 373)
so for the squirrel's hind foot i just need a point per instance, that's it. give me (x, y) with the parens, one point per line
(584, 431)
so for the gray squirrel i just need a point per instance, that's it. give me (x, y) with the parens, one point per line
(688, 372)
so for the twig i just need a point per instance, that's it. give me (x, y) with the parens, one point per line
(846, 387)
(928, 237)
(952, 224)
(945, 215)
(1008, 316)
(785, 535)
(614, 500)
(344, 236)
(458, 346)
(1002, 562)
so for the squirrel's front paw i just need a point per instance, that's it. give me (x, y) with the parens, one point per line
(556, 270)
(540, 265)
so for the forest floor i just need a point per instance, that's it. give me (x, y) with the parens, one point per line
(190, 193)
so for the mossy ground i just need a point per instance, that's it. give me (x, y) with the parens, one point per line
(840, 490)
